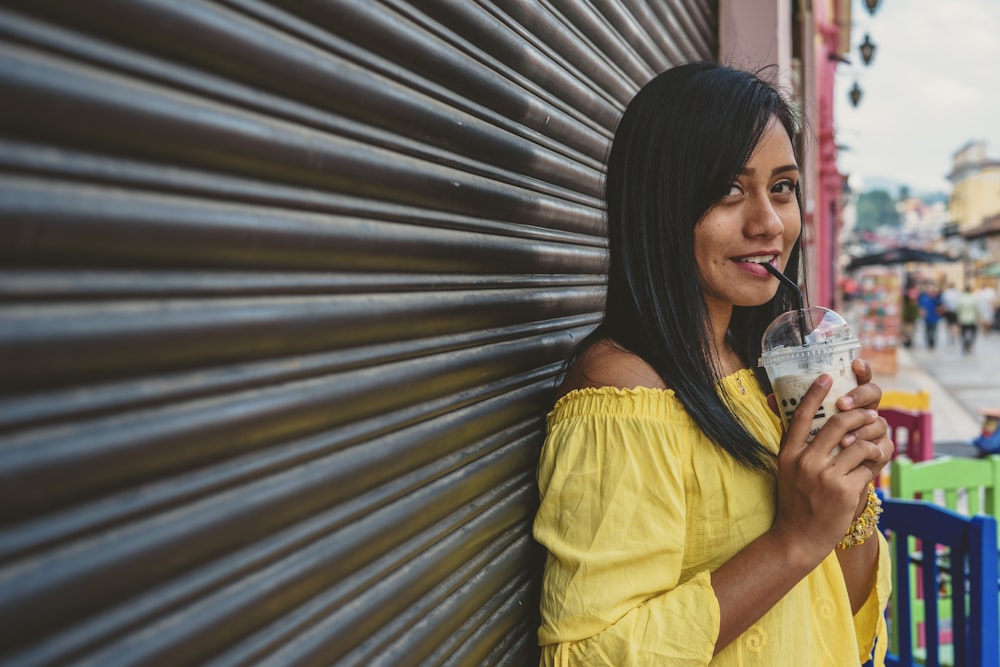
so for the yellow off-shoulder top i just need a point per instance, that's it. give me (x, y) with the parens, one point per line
(637, 509)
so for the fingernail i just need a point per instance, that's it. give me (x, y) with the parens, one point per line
(825, 380)
(849, 439)
(847, 402)
(873, 414)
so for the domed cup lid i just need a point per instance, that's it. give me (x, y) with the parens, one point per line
(824, 327)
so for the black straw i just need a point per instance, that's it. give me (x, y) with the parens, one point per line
(793, 286)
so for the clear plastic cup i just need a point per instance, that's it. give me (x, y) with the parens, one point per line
(794, 358)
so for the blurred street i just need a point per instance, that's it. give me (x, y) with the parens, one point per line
(960, 385)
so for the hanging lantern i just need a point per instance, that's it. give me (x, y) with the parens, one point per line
(855, 94)
(867, 49)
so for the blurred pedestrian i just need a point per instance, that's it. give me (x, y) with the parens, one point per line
(911, 313)
(967, 314)
(986, 297)
(929, 303)
(949, 302)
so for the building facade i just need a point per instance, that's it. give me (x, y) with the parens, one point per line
(286, 288)
(974, 206)
(975, 180)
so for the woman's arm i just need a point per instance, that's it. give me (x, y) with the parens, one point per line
(860, 562)
(859, 565)
(817, 500)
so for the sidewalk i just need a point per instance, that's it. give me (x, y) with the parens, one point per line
(959, 386)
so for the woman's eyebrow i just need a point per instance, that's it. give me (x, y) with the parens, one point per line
(777, 170)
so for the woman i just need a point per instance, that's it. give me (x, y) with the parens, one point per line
(682, 527)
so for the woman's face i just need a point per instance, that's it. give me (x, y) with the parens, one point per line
(757, 222)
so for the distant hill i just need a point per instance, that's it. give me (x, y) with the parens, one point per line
(933, 197)
(877, 183)
(892, 187)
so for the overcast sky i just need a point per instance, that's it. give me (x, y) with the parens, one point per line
(933, 86)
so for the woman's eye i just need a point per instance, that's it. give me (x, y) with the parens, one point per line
(783, 188)
(734, 190)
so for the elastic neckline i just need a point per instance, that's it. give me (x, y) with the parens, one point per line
(733, 384)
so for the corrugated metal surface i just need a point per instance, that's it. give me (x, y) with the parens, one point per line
(284, 289)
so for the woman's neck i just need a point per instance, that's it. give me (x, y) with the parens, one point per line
(724, 356)
(717, 328)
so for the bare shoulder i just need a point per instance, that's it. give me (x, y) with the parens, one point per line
(607, 364)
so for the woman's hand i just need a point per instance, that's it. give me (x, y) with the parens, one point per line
(819, 491)
(867, 395)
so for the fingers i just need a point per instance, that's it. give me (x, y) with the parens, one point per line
(862, 370)
(873, 443)
(801, 422)
(873, 431)
(860, 452)
(846, 430)
(866, 395)
(836, 427)
(862, 476)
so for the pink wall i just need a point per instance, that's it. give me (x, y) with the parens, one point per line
(827, 219)
(753, 33)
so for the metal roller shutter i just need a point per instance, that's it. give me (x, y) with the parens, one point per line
(284, 290)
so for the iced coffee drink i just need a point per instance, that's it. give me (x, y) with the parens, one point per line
(797, 348)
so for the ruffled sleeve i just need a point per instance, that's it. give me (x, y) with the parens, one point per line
(614, 521)
(869, 621)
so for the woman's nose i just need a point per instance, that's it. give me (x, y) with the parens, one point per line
(763, 219)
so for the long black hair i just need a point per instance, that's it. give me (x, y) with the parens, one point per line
(680, 143)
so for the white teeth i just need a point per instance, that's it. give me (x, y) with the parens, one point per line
(757, 259)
